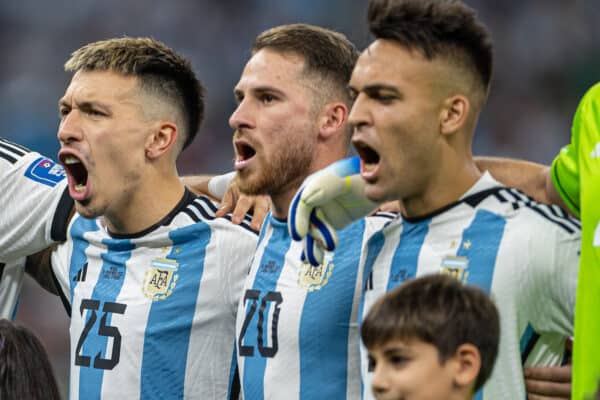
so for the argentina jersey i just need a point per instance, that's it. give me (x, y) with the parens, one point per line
(153, 314)
(35, 202)
(524, 254)
(35, 207)
(297, 331)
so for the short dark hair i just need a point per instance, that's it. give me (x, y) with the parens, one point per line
(440, 310)
(446, 28)
(159, 68)
(25, 372)
(327, 54)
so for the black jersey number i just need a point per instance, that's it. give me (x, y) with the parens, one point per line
(247, 350)
(103, 330)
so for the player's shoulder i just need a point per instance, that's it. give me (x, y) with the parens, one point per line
(203, 209)
(521, 209)
(10, 152)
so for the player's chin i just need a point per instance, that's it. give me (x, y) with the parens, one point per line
(377, 192)
(87, 209)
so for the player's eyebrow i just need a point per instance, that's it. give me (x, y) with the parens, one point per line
(239, 93)
(379, 87)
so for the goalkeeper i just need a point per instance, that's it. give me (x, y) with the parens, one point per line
(573, 182)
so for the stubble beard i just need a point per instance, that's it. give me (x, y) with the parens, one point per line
(287, 168)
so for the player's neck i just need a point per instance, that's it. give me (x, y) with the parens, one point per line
(280, 203)
(153, 200)
(444, 188)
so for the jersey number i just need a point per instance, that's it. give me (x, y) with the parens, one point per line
(254, 296)
(103, 330)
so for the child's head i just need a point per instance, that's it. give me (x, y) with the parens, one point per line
(431, 338)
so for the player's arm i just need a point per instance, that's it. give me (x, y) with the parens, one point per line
(38, 266)
(35, 201)
(223, 188)
(533, 179)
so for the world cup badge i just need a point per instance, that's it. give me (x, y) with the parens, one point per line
(160, 279)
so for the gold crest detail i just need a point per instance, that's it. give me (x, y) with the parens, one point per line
(457, 267)
(160, 279)
(314, 278)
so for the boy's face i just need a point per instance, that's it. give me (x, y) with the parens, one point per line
(410, 370)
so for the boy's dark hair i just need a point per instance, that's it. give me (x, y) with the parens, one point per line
(160, 70)
(328, 55)
(447, 28)
(437, 309)
(25, 372)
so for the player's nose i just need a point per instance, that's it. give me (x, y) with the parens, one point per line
(69, 129)
(242, 117)
(359, 113)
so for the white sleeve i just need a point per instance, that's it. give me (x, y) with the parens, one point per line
(34, 200)
(236, 250)
(551, 280)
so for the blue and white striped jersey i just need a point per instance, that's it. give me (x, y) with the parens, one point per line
(297, 331)
(521, 252)
(153, 314)
(35, 207)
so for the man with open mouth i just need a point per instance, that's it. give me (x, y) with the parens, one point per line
(150, 277)
(418, 90)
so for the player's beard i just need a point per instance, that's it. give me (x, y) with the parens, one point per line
(285, 169)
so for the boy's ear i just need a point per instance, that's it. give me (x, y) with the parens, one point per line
(468, 361)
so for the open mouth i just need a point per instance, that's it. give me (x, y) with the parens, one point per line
(366, 153)
(77, 175)
(244, 153)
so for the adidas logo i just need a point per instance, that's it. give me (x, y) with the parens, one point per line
(596, 152)
(81, 274)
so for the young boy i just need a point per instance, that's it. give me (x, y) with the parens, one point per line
(431, 338)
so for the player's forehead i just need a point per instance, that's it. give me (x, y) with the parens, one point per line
(268, 67)
(387, 62)
(100, 86)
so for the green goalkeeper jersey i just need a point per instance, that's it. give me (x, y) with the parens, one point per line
(576, 177)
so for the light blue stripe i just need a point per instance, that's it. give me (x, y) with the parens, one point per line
(326, 320)
(265, 281)
(406, 256)
(108, 286)
(480, 244)
(78, 257)
(170, 321)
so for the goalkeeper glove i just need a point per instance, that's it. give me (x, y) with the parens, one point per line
(329, 200)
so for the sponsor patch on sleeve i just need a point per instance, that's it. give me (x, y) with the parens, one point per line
(46, 171)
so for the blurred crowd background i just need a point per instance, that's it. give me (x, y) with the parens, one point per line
(547, 55)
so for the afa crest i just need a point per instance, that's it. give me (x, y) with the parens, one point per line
(457, 267)
(160, 279)
(314, 278)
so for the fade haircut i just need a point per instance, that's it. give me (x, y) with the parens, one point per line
(160, 70)
(437, 28)
(437, 309)
(328, 55)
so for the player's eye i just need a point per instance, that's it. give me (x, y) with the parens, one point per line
(267, 98)
(95, 113)
(63, 112)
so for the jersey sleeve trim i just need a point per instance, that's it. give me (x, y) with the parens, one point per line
(569, 202)
(60, 223)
